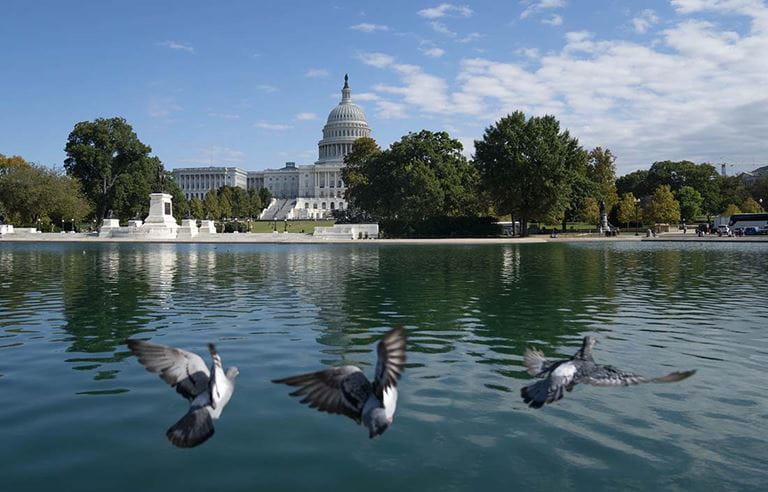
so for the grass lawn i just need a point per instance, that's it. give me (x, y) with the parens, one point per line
(306, 226)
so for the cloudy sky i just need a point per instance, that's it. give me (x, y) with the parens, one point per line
(250, 83)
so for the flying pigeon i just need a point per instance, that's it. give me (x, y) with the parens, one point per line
(581, 368)
(208, 391)
(346, 391)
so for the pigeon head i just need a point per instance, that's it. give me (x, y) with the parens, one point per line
(232, 373)
(377, 422)
(586, 347)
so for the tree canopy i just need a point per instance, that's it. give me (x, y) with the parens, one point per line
(423, 175)
(113, 166)
(33, 195)
(627, 209)
(690, 203)
(662, 207)
(527, 167)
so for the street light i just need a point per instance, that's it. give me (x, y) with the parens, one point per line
(637, 204)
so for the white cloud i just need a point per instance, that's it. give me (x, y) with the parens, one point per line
(266, 88)
(215, 155)
(175, 45)
(316, 73)
(644, 21)
(366, 27)
(390, 110)
(273, 126)
(306, 116)
(363, 96)
(446, 9)
(433, 52)
(226, 116)
(378, 60)
(555, 20)
(537, 6)
(442, 29)
(163, 107)
(697, 92)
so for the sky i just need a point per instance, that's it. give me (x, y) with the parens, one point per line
(250, 83)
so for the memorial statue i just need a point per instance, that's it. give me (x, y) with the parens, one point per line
(2, 219)
(110, 214)
(602, 208)
(160, 184)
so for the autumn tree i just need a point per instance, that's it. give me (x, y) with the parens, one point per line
(601, 170)
(527, 166)
(750, 206)
(731, 210)
(627, 209)
(196, 208)
(590, 212)
(662, 207)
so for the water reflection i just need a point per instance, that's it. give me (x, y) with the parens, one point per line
(470, 312)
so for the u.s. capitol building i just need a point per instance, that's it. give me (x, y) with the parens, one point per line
(301, 192)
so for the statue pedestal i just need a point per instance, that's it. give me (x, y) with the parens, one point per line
(135, 223)
(207, 227)
(6, 229)
(107, 226)
(188, 229)
(160, 222)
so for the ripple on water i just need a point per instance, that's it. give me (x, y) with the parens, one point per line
(470, 313)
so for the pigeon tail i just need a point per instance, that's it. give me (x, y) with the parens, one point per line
(192, 429)
(541, 392)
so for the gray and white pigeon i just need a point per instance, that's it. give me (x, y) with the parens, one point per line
(581, 368)
(346, 391)
(208, 391)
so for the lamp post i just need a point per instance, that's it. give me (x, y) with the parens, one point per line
(637, 205)
(72, 227)
(62, 224)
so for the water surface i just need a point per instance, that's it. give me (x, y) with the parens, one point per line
(78, 412)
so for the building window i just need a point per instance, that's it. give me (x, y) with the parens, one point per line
(306, 205)
(323, 206)
(314, 205)
(332, 206)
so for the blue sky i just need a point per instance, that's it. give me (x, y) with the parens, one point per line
(250, 84)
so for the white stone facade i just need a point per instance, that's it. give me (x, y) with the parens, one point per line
(317, 188)
(195, 182)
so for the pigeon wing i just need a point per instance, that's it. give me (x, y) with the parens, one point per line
(340, 390)
(561, 376)
(611, 376)
(390, 362)
(183, 370)
(535, 362)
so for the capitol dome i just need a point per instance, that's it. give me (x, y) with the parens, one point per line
(346, 123)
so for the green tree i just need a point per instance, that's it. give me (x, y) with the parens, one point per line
(212, 209)
(225, 202)
(627, 209)
(423, 175)
(197, 208)
(36, 195)
(266, 197)
(527, 166)
(732, 190)
(601, 170)
(731, 210)
(635, 182)
(750, 206)
(106, 154)
(253, 203)
(690, 203)
(662, 207)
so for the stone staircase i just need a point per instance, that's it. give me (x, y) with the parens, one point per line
(278, 209)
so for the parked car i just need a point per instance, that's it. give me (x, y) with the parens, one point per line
(723, 229)
(751, 231)
(763, 231)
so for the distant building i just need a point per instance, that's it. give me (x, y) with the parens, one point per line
(305, 191)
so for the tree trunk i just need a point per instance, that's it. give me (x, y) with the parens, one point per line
(523, 226)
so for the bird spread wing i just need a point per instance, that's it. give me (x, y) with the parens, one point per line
(341, 390)
(535, 362)
(611, 376)
(390, 362)
(183, 370)
(561, 376)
